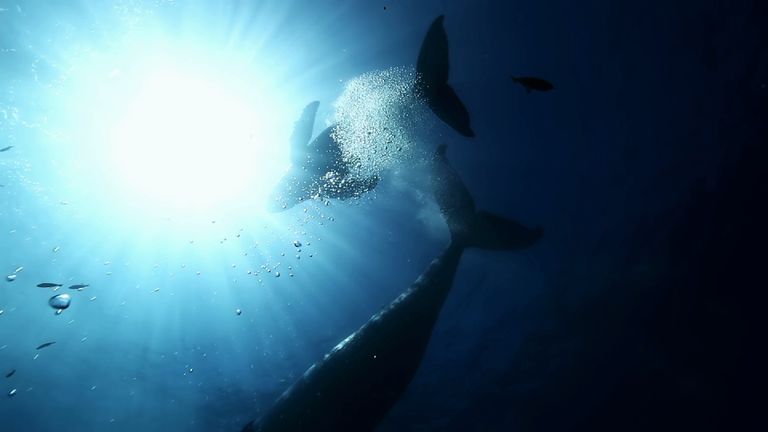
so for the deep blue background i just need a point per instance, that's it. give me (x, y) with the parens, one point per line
(639, 310)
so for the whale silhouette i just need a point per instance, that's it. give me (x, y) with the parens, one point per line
(354, 386)
(317, 167)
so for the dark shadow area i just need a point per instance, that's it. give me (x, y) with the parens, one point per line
(671, 335)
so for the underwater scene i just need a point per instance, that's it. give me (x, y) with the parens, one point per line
(358, 215)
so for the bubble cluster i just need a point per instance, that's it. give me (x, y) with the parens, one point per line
(379, 119)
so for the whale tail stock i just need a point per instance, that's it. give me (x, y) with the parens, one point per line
(468, 226)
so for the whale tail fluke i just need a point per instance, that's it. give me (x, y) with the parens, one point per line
(433, 68)
(469, 227)
(496, 232)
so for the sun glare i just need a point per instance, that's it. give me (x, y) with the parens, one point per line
(191, 142)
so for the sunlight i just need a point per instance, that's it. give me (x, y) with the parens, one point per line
(189, 142)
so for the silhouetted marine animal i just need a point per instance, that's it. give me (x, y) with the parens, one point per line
(433, 67)
(317, 167)
(533, 83)
(354, 386)
(44, 345)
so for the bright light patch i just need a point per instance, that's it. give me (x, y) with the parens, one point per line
(189, 142)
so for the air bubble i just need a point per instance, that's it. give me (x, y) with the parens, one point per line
(60, 301)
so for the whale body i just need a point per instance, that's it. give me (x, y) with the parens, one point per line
(354, 386)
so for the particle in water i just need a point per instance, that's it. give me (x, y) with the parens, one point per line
(12, 393)
(56, 249)
(18, 269)
(277, 274)
(10, 277)
(297, 243)
(60, 301)
(238, 311)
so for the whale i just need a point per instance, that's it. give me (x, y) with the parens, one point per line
(353, 387)
(318, 170)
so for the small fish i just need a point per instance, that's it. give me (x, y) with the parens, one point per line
(48, 285)
(5, 149)
(10, 374)
(47, 344)
(533, 83)
(78, 286)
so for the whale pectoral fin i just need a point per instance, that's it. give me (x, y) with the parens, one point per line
(432, 63)
(302, 132)
(449, 108)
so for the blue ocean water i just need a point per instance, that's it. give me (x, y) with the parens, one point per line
(144, 139)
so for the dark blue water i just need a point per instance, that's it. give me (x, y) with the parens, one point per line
(146, 137)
